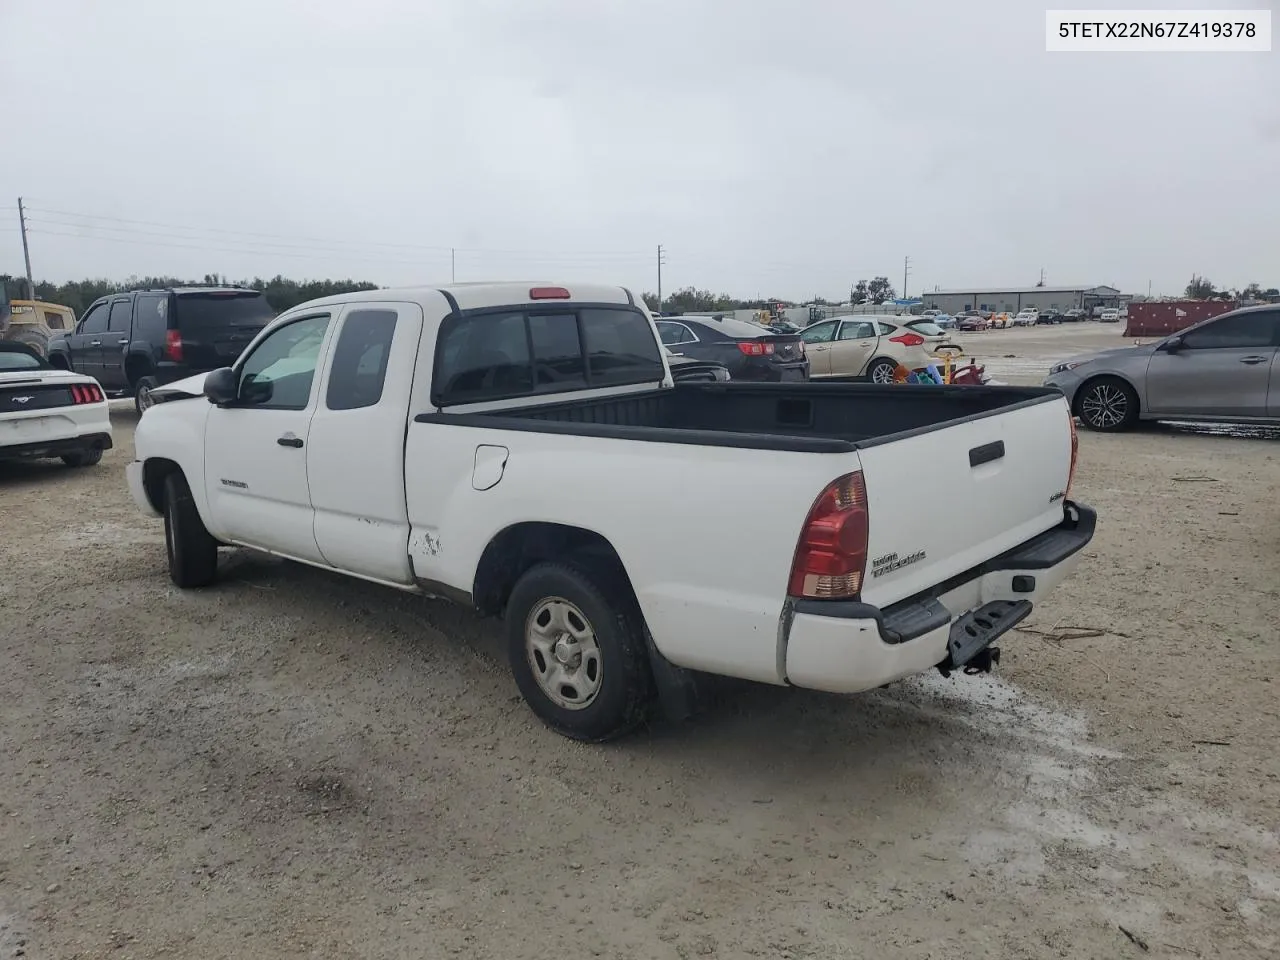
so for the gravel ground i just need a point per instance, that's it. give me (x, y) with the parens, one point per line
(292, 764)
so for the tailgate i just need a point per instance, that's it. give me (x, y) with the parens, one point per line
(947, 499)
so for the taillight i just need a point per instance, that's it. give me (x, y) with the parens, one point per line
(908, 339)
(755, 348)
(173, 346)
(86, 393)
(831, 556)
(1075, 451)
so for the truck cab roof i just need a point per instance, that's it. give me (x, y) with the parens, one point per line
(479, 295)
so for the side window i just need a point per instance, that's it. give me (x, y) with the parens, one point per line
(818, 333)
(884, 328)
(53, 320)
(620, 347)
(278, 374)
(95, 321)
(557, 350)
(149, 317)
(1240, 331)
(481, 357)
(673, 333)
(861, 330)
(360, 357)
(121, 311)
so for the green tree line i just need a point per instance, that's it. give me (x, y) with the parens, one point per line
(281, 292)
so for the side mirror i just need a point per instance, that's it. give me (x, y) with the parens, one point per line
(1172, 345)
(220, 386)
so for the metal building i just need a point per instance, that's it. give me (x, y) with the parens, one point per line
(1012, 300)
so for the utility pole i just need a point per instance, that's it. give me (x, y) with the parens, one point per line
(453, 267)
(26, 251)
(906, 270)
(660, 262)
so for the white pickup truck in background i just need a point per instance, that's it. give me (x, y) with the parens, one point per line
(524, 451)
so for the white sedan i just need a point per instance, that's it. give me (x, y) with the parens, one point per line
(46, 412)
(1026, 318)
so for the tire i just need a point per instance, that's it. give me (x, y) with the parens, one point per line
(38, 340)
(83, 458)
(142, 394)
(192, 552)
(881, 370)
(597, 621)
(1108, 405)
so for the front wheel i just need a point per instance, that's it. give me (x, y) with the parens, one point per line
(1107, 404)
(576, 645)
(881, 371)
(192, 551)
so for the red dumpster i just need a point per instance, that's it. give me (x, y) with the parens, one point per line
(1159, 318)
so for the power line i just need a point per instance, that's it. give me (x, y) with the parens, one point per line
(310, 240)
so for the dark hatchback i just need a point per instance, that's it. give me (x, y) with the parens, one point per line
(750, 352)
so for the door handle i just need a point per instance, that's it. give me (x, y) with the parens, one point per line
(1253, 359)
(95, 343)
(289, 440)
(987, 453)
(123, 342)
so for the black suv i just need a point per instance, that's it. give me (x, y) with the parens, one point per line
(132, 342)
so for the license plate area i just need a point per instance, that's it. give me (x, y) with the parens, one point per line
(975, 631)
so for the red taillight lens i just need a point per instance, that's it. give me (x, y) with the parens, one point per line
(831, 556)
(548, 293)
(755, 348)
(86, 393)
(173, 346)
(908, 339)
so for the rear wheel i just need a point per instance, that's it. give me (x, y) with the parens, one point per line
(192, 551)
(142, 401)
(38, 340)
(1107, 404)
(83, 458)
(576, 645)
(881, 370)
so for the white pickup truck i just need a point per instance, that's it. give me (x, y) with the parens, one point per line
(523, 450)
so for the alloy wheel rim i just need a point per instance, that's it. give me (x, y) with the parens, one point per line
(1105, 406)
(883, 373)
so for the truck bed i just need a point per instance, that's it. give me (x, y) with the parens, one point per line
(810, 417)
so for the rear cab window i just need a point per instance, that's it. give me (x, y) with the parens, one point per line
(506, 353)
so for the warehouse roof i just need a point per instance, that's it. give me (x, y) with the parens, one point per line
(976, 290)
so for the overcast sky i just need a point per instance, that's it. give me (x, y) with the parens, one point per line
(774, 148)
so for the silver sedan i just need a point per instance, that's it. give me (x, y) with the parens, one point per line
(1225, 369)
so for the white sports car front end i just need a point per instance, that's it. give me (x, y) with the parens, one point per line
(46, 412)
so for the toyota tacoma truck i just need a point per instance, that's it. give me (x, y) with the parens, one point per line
(524, 450)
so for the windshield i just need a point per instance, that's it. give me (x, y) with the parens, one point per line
(18, 357)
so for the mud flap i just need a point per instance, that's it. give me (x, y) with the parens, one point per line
(677, 687)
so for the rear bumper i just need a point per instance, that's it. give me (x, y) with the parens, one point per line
(845, 646)
(41, 449)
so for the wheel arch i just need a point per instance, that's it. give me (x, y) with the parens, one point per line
(518, 547)
(137, 366)
(1105, 375)
(155, 471)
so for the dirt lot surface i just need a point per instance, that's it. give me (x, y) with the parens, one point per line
(292, 764)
